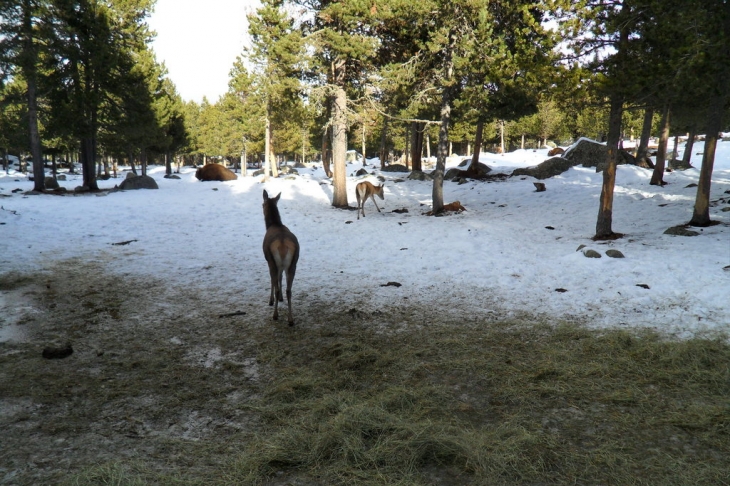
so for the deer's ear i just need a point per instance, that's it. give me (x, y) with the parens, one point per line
(266, 195)
(276, 199)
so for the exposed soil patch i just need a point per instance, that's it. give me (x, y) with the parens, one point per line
(170, 385)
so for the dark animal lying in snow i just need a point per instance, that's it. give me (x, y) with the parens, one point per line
(215, 172)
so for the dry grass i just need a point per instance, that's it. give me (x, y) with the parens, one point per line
(495, 404)
(346, 397)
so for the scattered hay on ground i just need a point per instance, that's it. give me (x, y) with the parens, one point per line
(161, 390)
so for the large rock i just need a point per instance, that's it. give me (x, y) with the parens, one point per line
(215, 172)
(550, 168)
(419, 175)
(462, 170)
(51, 183)
(395, 168)
(138, 182)
(589, 153)
(679, 164)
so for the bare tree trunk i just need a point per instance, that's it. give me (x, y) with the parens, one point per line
(428, 146)
(657, 177)
(339, 147)
(143, 161)
(687, 155)
(473, 169)
(272, 158)
(364, 160)
(501, 135)
(443, 147)
(675, 152)
(168, 164)
(29, 72)
(130, 154)
(327, 152)
(267, 148)
(605, 211)
(643, 147)
(88, 164)
(417, 145)
(407, 151)
(383, 143)
(701, 214)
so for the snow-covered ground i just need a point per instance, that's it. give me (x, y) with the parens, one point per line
(506, 255)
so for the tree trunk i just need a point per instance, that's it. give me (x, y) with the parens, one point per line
(657, 177)
(417, 145)
(130, 154)
(88, 164)
(675, 152)
(443, 152)
(407, 151)
(383, 143)
(473, 169)
(29, 69)
(687, 155)
(272, 158)
(327, 151)
(339, 147)
(364, 160)
(267, 148)
(168, 164)
(701, 214)
(643, 148)
(605, 210)
(501, 136)
(444, 145)
(428, 146)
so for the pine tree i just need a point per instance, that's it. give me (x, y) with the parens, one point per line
(277, 50)
(20, 55)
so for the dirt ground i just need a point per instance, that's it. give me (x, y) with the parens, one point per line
(157, 374)
(153, 368)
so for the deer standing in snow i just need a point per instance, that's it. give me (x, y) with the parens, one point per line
(281, 250)
(365, 190)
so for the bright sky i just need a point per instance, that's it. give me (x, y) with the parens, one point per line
(199, 41)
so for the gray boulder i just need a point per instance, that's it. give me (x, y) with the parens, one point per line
(138, 182)
(395, 168)
(50, 183)
(418, 175)
(680, 231)
(589, 153)
(481, 169)
(550, 168)
(679, 164)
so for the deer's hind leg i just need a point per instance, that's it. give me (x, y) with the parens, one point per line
(289, 282)
(272, 275)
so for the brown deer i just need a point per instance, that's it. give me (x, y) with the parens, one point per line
(365, 190)
(281, 250)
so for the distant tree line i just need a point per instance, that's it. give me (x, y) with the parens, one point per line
(387, 77)
(78, 81)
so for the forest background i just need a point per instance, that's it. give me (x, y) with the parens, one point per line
(80, 82)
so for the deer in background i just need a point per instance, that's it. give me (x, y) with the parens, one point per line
(365, 190)
(281, 250)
